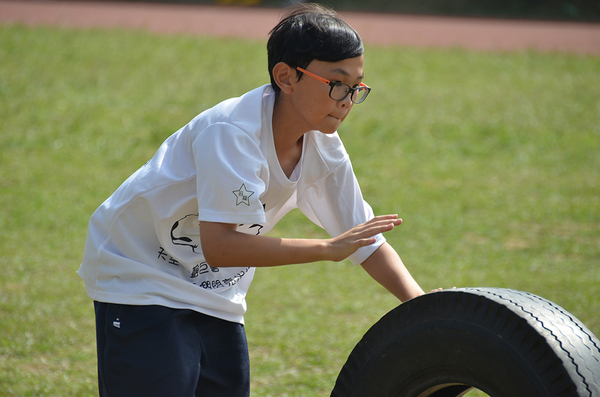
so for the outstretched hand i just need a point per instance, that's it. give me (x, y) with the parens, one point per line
(362, 235)
(439, 289)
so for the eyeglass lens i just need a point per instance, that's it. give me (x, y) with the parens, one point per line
(340, 91)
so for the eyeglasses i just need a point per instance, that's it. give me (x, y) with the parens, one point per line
(339, 91)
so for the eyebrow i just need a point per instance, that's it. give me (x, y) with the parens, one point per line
(344, 73)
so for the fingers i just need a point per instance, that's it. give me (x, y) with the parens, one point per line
(393, 219)
(390, 217)
(380, 224)
(439, 289)
(366, 241)
(362, 235)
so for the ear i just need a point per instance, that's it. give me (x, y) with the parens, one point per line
(285, 77)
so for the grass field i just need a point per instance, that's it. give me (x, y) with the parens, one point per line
(491, 159)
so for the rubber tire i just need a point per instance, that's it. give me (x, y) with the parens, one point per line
(503, 342)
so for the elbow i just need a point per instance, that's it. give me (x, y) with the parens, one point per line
(216, 245)
(213, 253)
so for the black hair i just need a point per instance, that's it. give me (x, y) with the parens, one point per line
(309, 32)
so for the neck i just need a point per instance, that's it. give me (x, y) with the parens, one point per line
(288, 135)
(287, 130)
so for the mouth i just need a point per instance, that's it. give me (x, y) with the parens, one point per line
(339, 118)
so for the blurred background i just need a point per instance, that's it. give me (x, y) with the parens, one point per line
(492, 158)
(562, 10)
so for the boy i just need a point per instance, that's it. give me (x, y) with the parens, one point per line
(170, 255)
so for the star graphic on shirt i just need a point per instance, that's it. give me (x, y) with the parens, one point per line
(242, 195)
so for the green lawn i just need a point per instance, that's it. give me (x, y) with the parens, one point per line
(491, 159)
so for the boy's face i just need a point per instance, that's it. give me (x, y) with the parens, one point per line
(311, 98)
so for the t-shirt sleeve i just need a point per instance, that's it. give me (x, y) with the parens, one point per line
(229, 167)
(336, 204)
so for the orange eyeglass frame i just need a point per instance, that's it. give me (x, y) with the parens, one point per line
(350, 92)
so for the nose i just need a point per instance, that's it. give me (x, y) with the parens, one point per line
(346, 102)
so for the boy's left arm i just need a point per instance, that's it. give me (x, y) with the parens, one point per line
(386, 267)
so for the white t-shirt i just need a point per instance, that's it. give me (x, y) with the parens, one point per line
(143, 244)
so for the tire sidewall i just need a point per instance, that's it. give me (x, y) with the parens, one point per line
(430, 353)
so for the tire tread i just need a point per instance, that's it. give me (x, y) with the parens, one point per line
(533, 325)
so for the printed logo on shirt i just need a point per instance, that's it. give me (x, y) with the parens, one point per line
(184, 230)
(185, 233)
(254, 228)
(204, 275)
(242, 195)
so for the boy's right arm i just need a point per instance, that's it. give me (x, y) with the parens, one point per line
(224, 246)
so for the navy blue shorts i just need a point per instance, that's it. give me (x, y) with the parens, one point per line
(158, 351)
